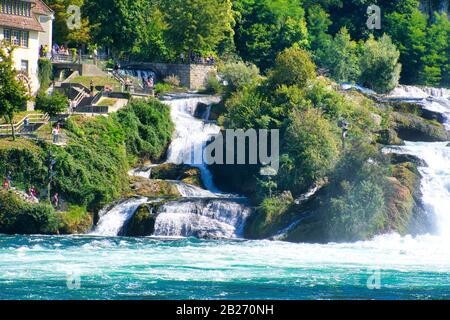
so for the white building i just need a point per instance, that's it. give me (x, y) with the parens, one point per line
(27, 25)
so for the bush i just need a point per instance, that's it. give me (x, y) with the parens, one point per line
(239, 74)
(45, 72)
(213, 85)
(17, 216)
(293, 67)
(358, 213)
(379, 65)
(162, 88)
(310, 151)
(172, 80)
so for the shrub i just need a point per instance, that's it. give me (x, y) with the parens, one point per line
(172, 80)
(45, 72)
(213, 85)
(239, 74)
(52, 104)
(293, 67)
(379, 65)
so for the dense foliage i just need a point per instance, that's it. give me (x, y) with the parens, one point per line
(13, 93)
(92, 169)
(258, 30)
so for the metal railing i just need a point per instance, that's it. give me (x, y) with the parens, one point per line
(33, 119)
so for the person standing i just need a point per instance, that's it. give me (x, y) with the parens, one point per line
(55, 133)
(55, 200)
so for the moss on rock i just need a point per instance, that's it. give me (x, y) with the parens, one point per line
(152, 188)
(142, 223)
(184, 173)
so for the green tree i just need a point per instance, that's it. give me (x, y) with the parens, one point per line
(293, 66)
(61, 33)
(119, 24)
(264, 28)
(340, 58)
(409, 34)
(52, 104)
(310, 150)
(435, 58)
(318, 25)
(197, 26)
(13, 93)
(379, 65)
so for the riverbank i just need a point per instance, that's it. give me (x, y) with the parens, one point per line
(90, 172)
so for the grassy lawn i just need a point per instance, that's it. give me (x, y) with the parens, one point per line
(107, 102)
(19, 116)
(98, 81)
(19, 144)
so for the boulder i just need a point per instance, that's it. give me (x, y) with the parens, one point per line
(402, 158)
(142, 223)
(184, 173)
(152, 188)
(411, 127)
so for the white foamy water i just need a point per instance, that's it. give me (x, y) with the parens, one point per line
(191, 135)
(112, 221)
(191, 191)
(216, 218)
(435, 184)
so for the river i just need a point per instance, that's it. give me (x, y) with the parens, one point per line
(176, 265)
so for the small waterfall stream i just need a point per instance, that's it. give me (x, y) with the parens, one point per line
(113, 219)
(436, 176)
(203, 213)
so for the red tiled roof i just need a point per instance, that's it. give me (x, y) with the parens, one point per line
(20, 22)
(38, 7)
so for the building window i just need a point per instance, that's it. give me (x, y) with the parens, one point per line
(15, 7)
(24, 66)
(16, 37)
(24, 40)
(7, 35)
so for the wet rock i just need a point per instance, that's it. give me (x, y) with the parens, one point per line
(411, 127)
(153, 188)
(402, 158)
(184, 173)
(142, 223)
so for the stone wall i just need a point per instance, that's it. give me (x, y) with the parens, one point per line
(192, 76)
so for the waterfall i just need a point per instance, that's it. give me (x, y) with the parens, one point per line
(191, 135)
(191, 191)
(113, 219)
(203, 218)
(144, 172)
(435, 183)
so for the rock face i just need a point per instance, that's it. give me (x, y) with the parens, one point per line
(184, 173)
(153, 188)
(142, 223)
(414, 128)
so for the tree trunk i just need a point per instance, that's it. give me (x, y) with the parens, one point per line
(13, 129)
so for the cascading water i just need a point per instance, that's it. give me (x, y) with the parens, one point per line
(436, 176)
(112, 220)
(202, 218)
(191, 135)
(203, 213)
